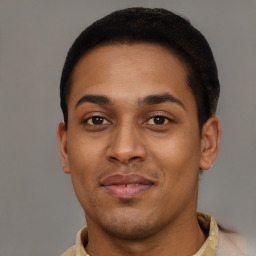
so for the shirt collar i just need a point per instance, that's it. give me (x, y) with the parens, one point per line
(210, 245)
(206, 222)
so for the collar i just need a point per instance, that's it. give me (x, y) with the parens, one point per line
(210, 245)
(206, 222)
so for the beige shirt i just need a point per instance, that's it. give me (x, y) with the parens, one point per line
(217, 243)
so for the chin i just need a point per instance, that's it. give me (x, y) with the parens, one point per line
(129, 227)
(133, 232)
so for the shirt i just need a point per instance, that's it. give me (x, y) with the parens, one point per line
(209, 248)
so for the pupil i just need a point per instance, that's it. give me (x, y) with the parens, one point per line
(97, 120)
(159, 120)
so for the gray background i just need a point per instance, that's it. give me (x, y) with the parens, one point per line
(39, 213)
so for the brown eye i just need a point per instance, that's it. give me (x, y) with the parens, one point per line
(96, 120)
(159, 120)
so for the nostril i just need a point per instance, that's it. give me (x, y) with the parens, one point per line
(124, 160)
(112, 158)
(134, 158)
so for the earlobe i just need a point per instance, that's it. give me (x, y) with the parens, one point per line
(62, 138)
(210, 142)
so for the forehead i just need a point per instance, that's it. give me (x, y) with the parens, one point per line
(129, 71)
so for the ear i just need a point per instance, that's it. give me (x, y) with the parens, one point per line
(210, 142)
(62, 137)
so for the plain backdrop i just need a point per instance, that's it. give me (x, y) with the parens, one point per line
(39, 213)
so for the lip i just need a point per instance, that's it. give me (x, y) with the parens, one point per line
(126, 186)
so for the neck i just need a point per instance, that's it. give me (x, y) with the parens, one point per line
(183, 238)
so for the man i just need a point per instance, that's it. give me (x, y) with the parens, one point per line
(139, 91)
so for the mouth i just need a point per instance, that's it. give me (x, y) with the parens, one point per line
(126, 186)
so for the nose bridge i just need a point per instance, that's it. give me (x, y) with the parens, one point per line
(126, 143)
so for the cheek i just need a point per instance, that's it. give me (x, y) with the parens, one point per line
(178, 160)
(84, 153)
(178, 157)
(177, 150)
(84, 162)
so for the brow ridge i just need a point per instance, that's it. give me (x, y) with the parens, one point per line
(148, 100)
(160, 98)
(96, 99)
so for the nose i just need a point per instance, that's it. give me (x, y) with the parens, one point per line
(126, 145)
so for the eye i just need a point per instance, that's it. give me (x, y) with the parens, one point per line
(96, 120)
(159, 120)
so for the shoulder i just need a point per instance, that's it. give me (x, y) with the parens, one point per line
(230, 244)
(69, 252)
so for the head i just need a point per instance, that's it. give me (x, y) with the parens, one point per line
(158, 26)
(138, 92)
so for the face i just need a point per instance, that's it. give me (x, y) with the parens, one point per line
(132, 146)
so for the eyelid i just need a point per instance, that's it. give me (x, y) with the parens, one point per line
(90, 118)
(167, 121)
(168, 116)
(90, 115)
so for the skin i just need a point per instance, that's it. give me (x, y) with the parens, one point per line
(157, 140)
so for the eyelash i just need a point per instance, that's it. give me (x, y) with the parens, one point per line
(86, 121)
(164, 118)
(161, 119)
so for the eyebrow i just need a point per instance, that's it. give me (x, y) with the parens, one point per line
(96, 99)
(160, 98)
(148, 100)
